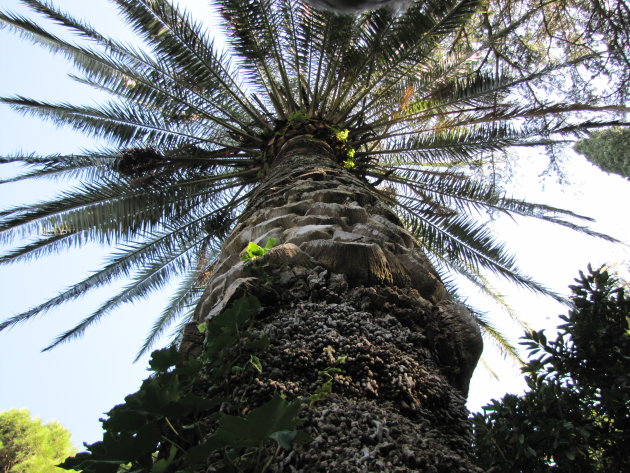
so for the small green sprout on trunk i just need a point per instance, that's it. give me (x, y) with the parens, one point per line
(253, 250)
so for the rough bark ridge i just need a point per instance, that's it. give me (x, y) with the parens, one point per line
(346, 280)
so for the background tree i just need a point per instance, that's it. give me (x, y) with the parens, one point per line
(28, 446)
(585, 42)
(609, 150)
(575, 417)
(528, 37)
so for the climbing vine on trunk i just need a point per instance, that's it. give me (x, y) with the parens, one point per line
(165, 425)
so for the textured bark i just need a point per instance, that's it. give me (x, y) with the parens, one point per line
(346, 279)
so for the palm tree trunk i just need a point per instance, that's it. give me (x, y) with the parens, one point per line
(347, 282)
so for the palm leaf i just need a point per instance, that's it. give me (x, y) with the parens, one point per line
(129, 256)
(85, 166)
(183, 44)
(179, 307)
(148, 279)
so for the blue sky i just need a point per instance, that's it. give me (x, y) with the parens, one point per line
(77, 382)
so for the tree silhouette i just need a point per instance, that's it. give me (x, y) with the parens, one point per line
(575, 417)
(609, 150)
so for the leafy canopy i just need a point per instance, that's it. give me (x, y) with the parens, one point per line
(28, 446)
(576, 416)
(193, 129)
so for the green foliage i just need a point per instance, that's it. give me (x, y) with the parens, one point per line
(252, 250)
(328, 375)
(28, 446)
(341, 135)
(297, 117)
(609, 150)
(349, 163)
(241, 436)
(576, 416)
(163, 427)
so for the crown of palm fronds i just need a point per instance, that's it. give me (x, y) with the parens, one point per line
(193, 130)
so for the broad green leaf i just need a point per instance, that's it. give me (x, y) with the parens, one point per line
(161, 466)
(287, 438)
(255, 362)
(162, 360)
(276, 415)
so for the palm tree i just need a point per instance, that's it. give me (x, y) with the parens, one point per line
(326, 165)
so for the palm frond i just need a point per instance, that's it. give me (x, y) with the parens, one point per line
(179, 307)
(445, 190)
(54, 241)
(416, 34)
(135, 254)
(124, 125)
(90, 166)
(129, 73)
(257, 33)
(498, 339)
(184, 45)
(486, 323)
(462, 240)
(148, 279)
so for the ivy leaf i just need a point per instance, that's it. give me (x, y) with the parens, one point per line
(229, 321)
(86, 461)
(123, 419)
(162, 360)
(161, 466)
(199, 453)
(270, 244)
(154, 395)
(223, 329)
(254, 250)
(255, 362)
(133, 446)
(114, 450)
(322, 391)
(259, 424)
(286, 438)
(199, 404)
(244, 308)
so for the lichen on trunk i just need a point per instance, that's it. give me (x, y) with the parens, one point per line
(347, 287)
